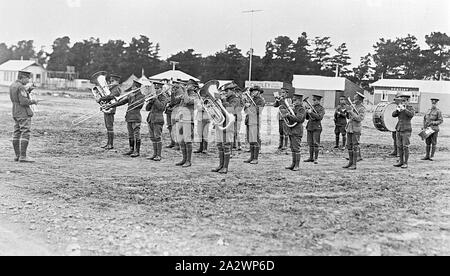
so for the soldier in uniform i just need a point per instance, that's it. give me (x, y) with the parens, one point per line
(22, 113)
(394, 153)
(314, 128)
(155, 120)
(405, 113)
(340, 121)
(225, 136)
(282, 128)
(433, 118)
(353, 129)
(133, 118)
(109, 115)
(253, 123)
(295, 133)
(203, 125)
(170, 122)
(185, 125)
(173, 109)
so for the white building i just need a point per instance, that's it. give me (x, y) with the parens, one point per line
(421, 91)
(10, 70)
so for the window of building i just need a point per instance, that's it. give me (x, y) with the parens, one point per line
(384, 96)
(414, 97)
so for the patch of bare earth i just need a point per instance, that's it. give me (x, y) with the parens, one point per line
(81, 200)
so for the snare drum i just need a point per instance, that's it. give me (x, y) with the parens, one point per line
(382, 117)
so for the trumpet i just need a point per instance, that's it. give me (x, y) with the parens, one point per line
(353, 106)
(213, 106)
(309, 105)
(247, 98)
(282, 110)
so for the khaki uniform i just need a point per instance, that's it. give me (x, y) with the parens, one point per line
(433, 118)
(314, 130)
(403, 129)
(21, 113)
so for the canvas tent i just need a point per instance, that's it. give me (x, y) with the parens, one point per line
(173, 75)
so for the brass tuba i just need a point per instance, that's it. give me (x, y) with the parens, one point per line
(213, 106)
(282, 110)
(101, 88)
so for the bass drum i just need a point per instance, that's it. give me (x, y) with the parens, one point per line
(382, 117)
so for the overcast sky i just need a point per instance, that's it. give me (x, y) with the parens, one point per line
(208, 25)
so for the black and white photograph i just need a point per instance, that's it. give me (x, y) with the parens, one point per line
(237, 128)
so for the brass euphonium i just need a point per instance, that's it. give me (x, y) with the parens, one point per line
(101, 88)
(213, 106)
(285, 106)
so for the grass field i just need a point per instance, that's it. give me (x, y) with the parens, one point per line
(83, 200)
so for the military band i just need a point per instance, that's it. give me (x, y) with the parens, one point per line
(179, 101)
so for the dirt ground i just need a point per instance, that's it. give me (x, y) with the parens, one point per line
(80, 200)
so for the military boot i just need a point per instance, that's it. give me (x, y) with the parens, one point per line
(252, 154)
(350, 159)
(293, 162)
(433, 150)
(221, 160)
(16, 146)
(158, 151)
(226, 160)
(344, 141)
(23, 153)
(183, 151)
(337, 142)
(286, 142)
(255, 155)
(427, 153)
(406, 157)
(188, 155)
(358, 155)
(200, 149)
(311, 155)
(316, 156)
(297, 162)
(137, 149)
(130, 152)
(110, 145)
(355, 161)
(280, 143)
(205, 147)
(400, 161)
(155, 151)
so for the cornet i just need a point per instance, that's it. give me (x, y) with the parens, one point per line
(309, 105)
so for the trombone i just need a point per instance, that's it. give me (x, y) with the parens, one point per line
(310, 106)
(353, 106)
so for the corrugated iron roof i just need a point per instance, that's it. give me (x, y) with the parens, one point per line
(425, 86)
(318, 82)
(17, 65)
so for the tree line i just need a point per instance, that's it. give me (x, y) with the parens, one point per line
(391, 58)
